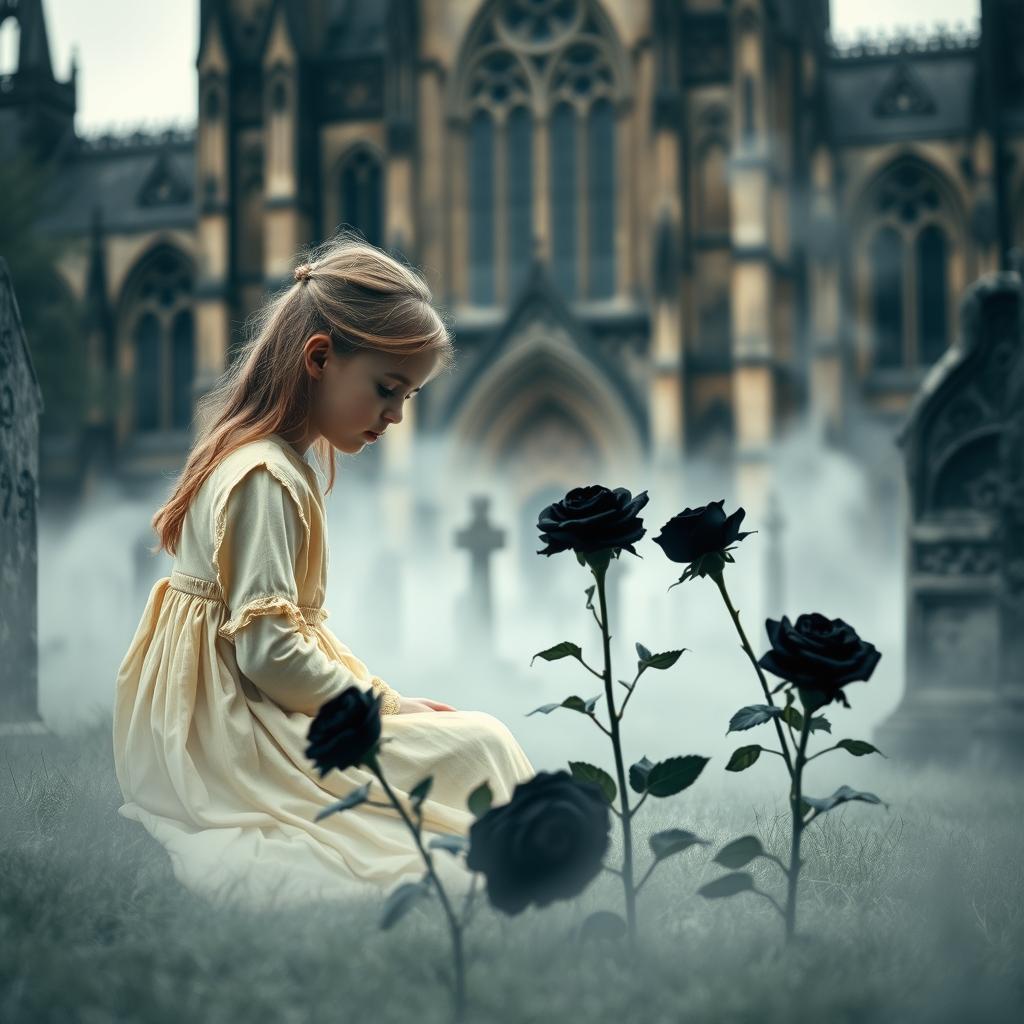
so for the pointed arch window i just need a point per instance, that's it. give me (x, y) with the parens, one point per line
(931, 293)
(601, 199)
(564, 195)
(519, 207)
(159, 322)
(481, 209)
(540, 86)
(362, 195)
(147, 372)
(908, 271)
(183, 354)
(887, 298)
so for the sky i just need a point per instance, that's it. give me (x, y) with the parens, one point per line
(136, 58)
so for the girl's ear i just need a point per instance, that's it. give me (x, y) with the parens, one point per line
(319, 353)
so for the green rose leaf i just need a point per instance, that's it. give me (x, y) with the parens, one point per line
(673, 840)
(563, 650)
(642, 652)
(401, 900)
(602, 925)
(354, 799)
(572, 703)
(638, 774)
(844, 794)
(419, 792)
(479, 802)
(819, 723)
(452, 843)
(669, 777)
(739, 852)
(858, 747)
(664, 660)
(590, 773)
(743, 758)
(751, 715)
(792, 717)
(727, 885)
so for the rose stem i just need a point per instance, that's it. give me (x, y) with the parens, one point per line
(795, 800)
(627, 829)
(720, 583)
(453, 924)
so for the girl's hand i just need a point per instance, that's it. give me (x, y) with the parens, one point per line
(411, 705)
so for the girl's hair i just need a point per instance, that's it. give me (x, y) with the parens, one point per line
(363, 298)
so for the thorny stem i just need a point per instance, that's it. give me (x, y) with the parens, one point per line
(629, 693)
(627, 840)
(720, 583)
(453, 923)
(795, 798)
(592, 671)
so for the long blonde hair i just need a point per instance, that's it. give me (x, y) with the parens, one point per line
(346, 287)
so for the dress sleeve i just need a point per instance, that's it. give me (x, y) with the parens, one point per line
(275, 643)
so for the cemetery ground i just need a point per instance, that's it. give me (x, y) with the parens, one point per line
(911, 913)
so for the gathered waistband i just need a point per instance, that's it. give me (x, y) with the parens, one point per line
(210, 590)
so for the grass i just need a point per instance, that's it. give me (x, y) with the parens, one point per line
(915, 913)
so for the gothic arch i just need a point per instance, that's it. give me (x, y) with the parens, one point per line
(359, 183)
(156, 341)
(542, 371)
(532, 79)
(909, 251)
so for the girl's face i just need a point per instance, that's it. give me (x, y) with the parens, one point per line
(362, 394)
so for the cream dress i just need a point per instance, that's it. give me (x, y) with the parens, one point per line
(215, 697)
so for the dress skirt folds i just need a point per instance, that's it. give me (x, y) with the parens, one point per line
(215, 695)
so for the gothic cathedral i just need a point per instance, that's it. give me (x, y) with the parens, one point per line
(662, 230)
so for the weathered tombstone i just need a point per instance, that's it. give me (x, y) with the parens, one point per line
(21, 403)
(965, 619)
(481, 540)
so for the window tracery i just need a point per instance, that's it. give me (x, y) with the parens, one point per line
(162, 336)
(907, 280)
(540, 66)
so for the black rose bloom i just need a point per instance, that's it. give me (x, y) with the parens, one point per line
(700, 536)
(592, 518)
(345, 730)
(819, 655)
(545, 844)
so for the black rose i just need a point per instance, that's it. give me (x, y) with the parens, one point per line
(696, 532)
(545, 844)
(346, 728)
(820, 655)
(592, 518)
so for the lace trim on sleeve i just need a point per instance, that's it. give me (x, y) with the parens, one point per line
(305, 619)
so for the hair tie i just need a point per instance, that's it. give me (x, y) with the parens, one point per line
(302, 272)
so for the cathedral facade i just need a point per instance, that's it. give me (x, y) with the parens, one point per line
(661, 230)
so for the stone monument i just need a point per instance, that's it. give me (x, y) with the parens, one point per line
(21, 403)
(963, 444)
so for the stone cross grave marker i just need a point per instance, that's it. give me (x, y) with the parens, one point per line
(481, 540)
